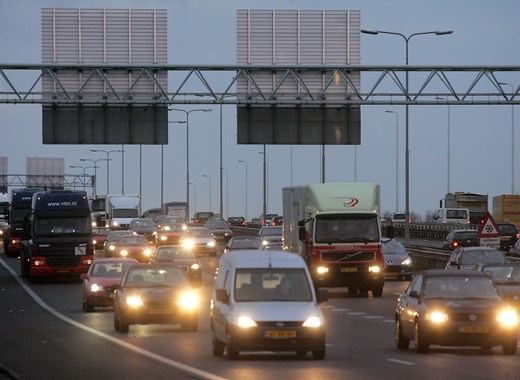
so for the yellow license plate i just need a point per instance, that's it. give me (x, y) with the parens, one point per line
(160, 311)
(280, 334)
(349, 269)
(473, 329)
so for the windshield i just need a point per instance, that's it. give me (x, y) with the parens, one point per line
(347, 229)
(58, 226)
(217, 225)
(132, 240)
(506, 274)
(125, 213)
(271, 231)
(466, 235)
(199, 233)
(177, 253)
(18, 214)
(142, 224)
(98, 204)
(393, 247)
(115, 270)
(172, 227)
(276, 284)
(482, 257)
(456, 214)
(460, 287)
(144, 277)
(507, 228)
(246, 243)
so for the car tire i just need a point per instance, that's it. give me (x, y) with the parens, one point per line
(421, 345)
(232, 351)
(216, 345)
(87, 307)
(378, 292)
(123, 326)
(191, 325)
(401, 342)
(319, 354)
(117, 324)
(510, 346)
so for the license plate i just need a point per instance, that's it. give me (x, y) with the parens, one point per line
(349, 269)
(160, 311)
(473, 329)
(280, 334)
(392, 273)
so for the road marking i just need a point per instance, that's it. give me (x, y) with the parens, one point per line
(389, 321)
(357, 313)
(400, 361)
(374, 317)
(172, 363)
(340, 310)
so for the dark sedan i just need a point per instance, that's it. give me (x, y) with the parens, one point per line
(455, 308)
(397, 261)
(182, 256)
(236, 221)
(219, 229)
(145, 227)
(473, 257)
(461, 238)
(155, 294)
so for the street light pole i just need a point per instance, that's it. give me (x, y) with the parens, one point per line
(95, 170)
(107, 152)
(512, 139)
(84, 171)
(194, 195)
(396, 160)
(187, 113)
(264, 205)
(245, 162)
(209, 177)
(407, 114)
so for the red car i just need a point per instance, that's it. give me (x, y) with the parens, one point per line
(134, 247)
(170, 233)
(99, 280)
(99, 236)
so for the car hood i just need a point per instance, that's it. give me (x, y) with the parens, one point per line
(395, 257)
(105, 282)
(277, 310)
(156, 293)
(465, 305)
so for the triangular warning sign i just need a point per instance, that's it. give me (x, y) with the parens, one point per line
(488, 228)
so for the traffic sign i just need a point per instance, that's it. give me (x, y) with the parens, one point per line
(488, 228)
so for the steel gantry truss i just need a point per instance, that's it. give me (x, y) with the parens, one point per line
(285, 85)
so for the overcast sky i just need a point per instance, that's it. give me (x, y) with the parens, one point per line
(203, 32)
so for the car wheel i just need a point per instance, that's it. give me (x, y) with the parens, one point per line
(378, 292)
(232, 350)
(86, 307)
(117, 324)
(401, 342)
(510, 346)
(216, 345)
(319, 354)
(353, 291)
(421, 345)
(191, 325)
(123, 326)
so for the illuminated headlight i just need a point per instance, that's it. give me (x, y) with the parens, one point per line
(195, 266)
(163, 238)
(437, 317)
(93, 224)
(94, 242)
(134, 301)
(38, 263)
(407, 262)
(87, 261)
(189, 300)
(96, 288)
(374, 269)
(167, 228)
(265, 242)
(211, 244)
(124, 252)
(312, 322)
(187, 243)
(184, 227)
(147, 252)
(245, 322)
(508, 318)
(115, 224)
(112, 247)
(322, 270)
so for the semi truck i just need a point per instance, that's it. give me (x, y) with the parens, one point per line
(336, 228)
(19, 208)
(60, 235)
(506, 208)
(114, 211)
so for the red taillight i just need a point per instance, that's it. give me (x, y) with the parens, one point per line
(455, 244)
(518, 235)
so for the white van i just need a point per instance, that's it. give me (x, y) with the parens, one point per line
(452, 216)
(265, 301)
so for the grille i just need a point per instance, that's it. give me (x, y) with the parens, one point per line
(280, 324)
(63, 261)
(347, 256)
(465, 317)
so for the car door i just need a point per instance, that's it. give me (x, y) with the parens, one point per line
(221, 310)
(409, 305)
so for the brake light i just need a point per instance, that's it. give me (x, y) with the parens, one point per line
(455, 244)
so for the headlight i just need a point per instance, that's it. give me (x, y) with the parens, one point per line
(211, 244)
(374, 269)
(265, 242)
(154, 233)
(407, 262)
(163, 237)
(112, 247)
(312, 322)
(93, 224)
(115, 224)
(95, 288)
(322, 270)
(87, 261)
(147, 252)
(437, 317)
(195, 266)
(245, 322)
(187, 243)
(134, 301)
(38, 263)
(94, 242)
(189, 300)
(508, 317)
(124, 252)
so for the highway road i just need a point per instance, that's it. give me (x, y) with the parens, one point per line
(45, 334)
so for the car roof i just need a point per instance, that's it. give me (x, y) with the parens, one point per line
(464, 230)
(263, 259)
(453, 273)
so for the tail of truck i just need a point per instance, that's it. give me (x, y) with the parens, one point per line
(506, 208)
(122, 209)
(335, 227)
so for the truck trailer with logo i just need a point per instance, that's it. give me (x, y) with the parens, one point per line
(60, 235)
(335, 227)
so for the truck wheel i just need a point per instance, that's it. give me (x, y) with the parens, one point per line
(319, 354)
(510, 346)
(378, 292)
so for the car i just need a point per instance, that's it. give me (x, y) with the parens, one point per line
(220, 230)
(145, 227)
(509, 235)
(398, 218)
(515, 251)
(472, 257)
(170, 233)
(168, 219)
(397, 261)
(133, 246)
(236, 221)
(268, 218)
(180, 255)
(454, 308)
(461, 238)
(243, 242)
(265, 301)
(271, 235)
(200, 240)
(277, 221)
(110, 243)
(158, 293)
(507, 279)
(98, 282)
(202, 217)
(99, 236)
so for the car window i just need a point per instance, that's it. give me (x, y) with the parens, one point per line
(133, 240)
(393, 247)
(171, 276)
(199, 233)
(246, 243)
(177, 253)
(482, 257)
(506, 228)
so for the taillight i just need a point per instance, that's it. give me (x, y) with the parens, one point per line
(455, 244)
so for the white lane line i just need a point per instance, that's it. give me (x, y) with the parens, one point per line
(340, 310)
(374, 317)
(400, 361)
(172, 363)
(389, 321)
(357, 313)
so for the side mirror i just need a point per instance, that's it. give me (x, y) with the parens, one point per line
(222, 295)
(323, 295)
(390, 232)
(301, 223)
(301, 233)
(83, 276)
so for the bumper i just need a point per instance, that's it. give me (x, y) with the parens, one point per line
(455, 334)
(338, 276)
(143, 316)
(100, 299)
(397, 271)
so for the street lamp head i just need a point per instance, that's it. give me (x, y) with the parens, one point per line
(390, 111)
(443, 32)
(373, 32)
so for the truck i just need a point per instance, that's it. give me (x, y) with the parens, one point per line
(506, 208)
(18, 209)
(59, 235)
(175, 209)
(114, 211)
(453, 216)
(477, 204)
(336, 228)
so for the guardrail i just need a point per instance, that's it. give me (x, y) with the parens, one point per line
(433, 231)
